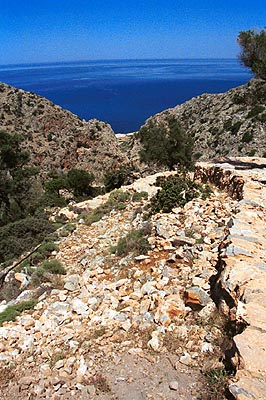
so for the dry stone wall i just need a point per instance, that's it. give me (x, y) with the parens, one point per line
(240, 287)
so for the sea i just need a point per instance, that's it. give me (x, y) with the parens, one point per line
(125, 93)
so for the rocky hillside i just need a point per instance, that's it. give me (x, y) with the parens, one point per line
(226, 124)
(122, 327)
(131, 326)
(56, 138)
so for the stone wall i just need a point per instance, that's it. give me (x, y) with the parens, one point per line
(240, 285)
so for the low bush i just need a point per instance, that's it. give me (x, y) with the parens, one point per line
(21, 236)
(47, 248)
(11, 312)
(177, 190)
(255, 111)
(53, 267)
(235, 127)
(247, 137)
(138, 196)
(118, 200)
(134, 242)
(115, 178)
(217, 383)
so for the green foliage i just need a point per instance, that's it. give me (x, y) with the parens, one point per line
(166, 144)
(177, 190)
(217, 383)
(138, 196)
(15, 179)
(115, 178)
(118, 200)
(80, 181)
(47, 248)
(235, 127)
(53, 267)
(262, 117)
(55, 184)
(252, 153)
(134, 242)
(247, 137)
(253, 51)
(118, 196)
(11, 312)
(255, 111)
(76, 179)
(21, 236)
(51, 199)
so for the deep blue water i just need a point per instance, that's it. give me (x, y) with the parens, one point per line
(125, 93)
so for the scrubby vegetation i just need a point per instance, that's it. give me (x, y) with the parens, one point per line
(118, 200)
(134, 242)
(11, 312)
(16, 179)
(166, 144)
(177, 190)
(21, 236)
(115, 178)
(24, 198)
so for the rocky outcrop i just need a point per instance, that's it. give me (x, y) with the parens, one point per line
(55, 138)
(240, 283)
(227, 124)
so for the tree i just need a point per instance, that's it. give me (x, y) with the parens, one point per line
(115, 178)
(253, 51)
(80, 181)
(166, 144)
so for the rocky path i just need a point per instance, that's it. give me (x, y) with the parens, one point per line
(125, 327)
(146, 327)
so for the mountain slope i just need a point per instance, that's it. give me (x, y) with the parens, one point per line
(227, 124)
(56, 138)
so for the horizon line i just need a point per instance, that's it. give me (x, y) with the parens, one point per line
(116, 59)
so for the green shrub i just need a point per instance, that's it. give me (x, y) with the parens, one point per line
(166, 144)
(134, 242)
(262, 117)
(255, 111)
(119, 196)
(247, 137)
(238, 99)
(235, 127)
(38, 276)
(47, 248)
(227, 125)
(53, 267)
(177, 190)
(21, 236)
(115, 178)
(36, 258)
(11, 312)
(252, 153)
(80, 181)
(118, 200)
(138, 196)
(52, 199)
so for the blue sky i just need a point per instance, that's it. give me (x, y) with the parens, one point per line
(61, 30)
